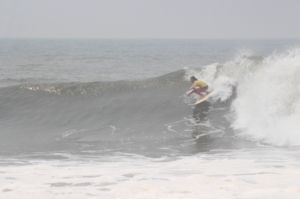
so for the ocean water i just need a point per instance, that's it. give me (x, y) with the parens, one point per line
(109, 119)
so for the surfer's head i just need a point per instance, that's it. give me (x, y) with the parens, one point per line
(193, 78)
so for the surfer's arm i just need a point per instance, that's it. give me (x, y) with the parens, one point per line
(189, 92)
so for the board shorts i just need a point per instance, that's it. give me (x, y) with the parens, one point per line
(200, 91)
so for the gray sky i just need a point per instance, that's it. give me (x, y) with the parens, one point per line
(150, 18)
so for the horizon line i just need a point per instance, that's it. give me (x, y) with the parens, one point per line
(157, 38)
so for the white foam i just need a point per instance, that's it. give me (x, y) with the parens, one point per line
(267, 106)
(244, 174)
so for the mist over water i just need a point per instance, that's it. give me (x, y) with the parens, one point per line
(119, 105)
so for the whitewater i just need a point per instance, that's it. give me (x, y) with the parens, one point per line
(110, 119)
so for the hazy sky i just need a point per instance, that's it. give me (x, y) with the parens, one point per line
(150, 18)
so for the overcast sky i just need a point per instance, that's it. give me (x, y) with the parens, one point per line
(150, 18)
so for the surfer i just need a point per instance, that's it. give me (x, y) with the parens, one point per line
(198, 86)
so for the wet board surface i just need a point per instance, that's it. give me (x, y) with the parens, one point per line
(199, 101)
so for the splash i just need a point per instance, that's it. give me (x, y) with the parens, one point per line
(267, 105)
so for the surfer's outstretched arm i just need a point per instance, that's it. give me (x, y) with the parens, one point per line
(189, 92)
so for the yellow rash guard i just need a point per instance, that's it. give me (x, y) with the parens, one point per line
(199, 84)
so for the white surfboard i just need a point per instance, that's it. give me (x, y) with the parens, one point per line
(202, 99)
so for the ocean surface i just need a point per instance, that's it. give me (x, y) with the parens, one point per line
(110, 119)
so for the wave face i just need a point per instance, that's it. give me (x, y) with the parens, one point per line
(121, 115)
(149, 116)
(267, 106)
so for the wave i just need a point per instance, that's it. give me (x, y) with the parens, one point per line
(255, 98)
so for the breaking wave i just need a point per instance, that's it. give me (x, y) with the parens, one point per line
(255, 98)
